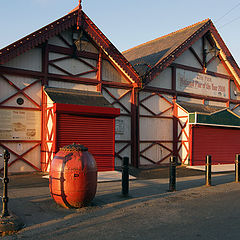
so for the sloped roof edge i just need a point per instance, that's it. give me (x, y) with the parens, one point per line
(166, 61)
(42, 35)
(208, 26)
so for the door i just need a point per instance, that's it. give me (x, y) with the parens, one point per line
(96, 133)
(221, 143)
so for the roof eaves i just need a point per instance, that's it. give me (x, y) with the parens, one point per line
(166, 61)
(109, 48)
(37, 38)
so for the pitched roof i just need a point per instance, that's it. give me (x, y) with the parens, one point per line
(78, 97)
(223, 118)
(66, 22)
(154, 51)
(154, 56)
(200, 108)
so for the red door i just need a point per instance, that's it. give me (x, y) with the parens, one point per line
(96, 133)
(221, 143)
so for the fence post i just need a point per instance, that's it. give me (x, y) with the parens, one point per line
(5, 185)
(237, 168)
(208, 170)
(172, 174)
(125, 176)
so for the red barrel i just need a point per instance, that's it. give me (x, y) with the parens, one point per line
(73, 176)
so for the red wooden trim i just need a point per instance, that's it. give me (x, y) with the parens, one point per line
(59, 59)
(164, 158)
(190, 144)
(164, 63)
(174, 77)
(45, 59)
(21, 72)
(123, 141)
(192, 69)
(159, 141)
(99, 71)
(161, 96)
(19, 91)
(54, 130)
(20, 157)
(235, 107)
(86, 63)
(149, 116)
(116, 100)
(60, 69)
(144, 99)
(196, 56)
(211, 60)
(148, 159)
(85, 73)
(175, 128)
(70, 52)
(134, 129)
(20, 108)
(64, 40)
(43, 129)
(98, 36)
(86, 110)
(146, 108)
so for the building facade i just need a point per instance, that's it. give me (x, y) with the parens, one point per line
(67, 83)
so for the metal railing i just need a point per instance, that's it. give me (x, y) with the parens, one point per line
(5, 181)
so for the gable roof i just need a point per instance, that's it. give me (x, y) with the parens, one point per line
(210, 115)
(154, 56)
(66, 22)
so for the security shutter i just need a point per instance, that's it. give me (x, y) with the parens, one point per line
(96, 133)
(221, 143)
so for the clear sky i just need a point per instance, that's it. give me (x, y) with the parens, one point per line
(126, 23)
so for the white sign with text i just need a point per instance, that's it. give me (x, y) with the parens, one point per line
(202, 84)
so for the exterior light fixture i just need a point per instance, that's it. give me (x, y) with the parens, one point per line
(80, 40)
(214, 51)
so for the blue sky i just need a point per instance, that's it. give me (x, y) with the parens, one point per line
(126, 23)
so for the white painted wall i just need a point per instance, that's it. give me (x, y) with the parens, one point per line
(30, 60)
(109, 73)
(69, 85)
(188, 59)
(163, 80)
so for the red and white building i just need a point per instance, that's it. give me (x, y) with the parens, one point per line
(67, 83)
(189, 104)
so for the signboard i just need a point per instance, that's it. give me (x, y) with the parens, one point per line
(201, 84)
(119, 126)
(20, 124)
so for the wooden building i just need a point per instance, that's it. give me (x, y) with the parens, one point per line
(189, 104)
(66, 83)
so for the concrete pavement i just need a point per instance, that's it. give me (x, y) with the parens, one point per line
(150, 212)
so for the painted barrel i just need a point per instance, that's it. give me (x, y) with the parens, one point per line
(73, 176)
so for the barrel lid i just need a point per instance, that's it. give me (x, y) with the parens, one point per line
(74, 147)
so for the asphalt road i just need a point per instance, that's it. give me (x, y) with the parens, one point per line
(193, 212)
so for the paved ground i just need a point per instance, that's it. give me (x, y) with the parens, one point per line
(193, 212)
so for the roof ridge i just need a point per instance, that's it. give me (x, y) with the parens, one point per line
(167, 35)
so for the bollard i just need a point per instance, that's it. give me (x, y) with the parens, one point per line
(237, 168)
(172, 174)
(5, 185)
(125, 177)
(208, 170)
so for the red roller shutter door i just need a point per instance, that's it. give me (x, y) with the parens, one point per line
(96, 133)
(221, 143)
